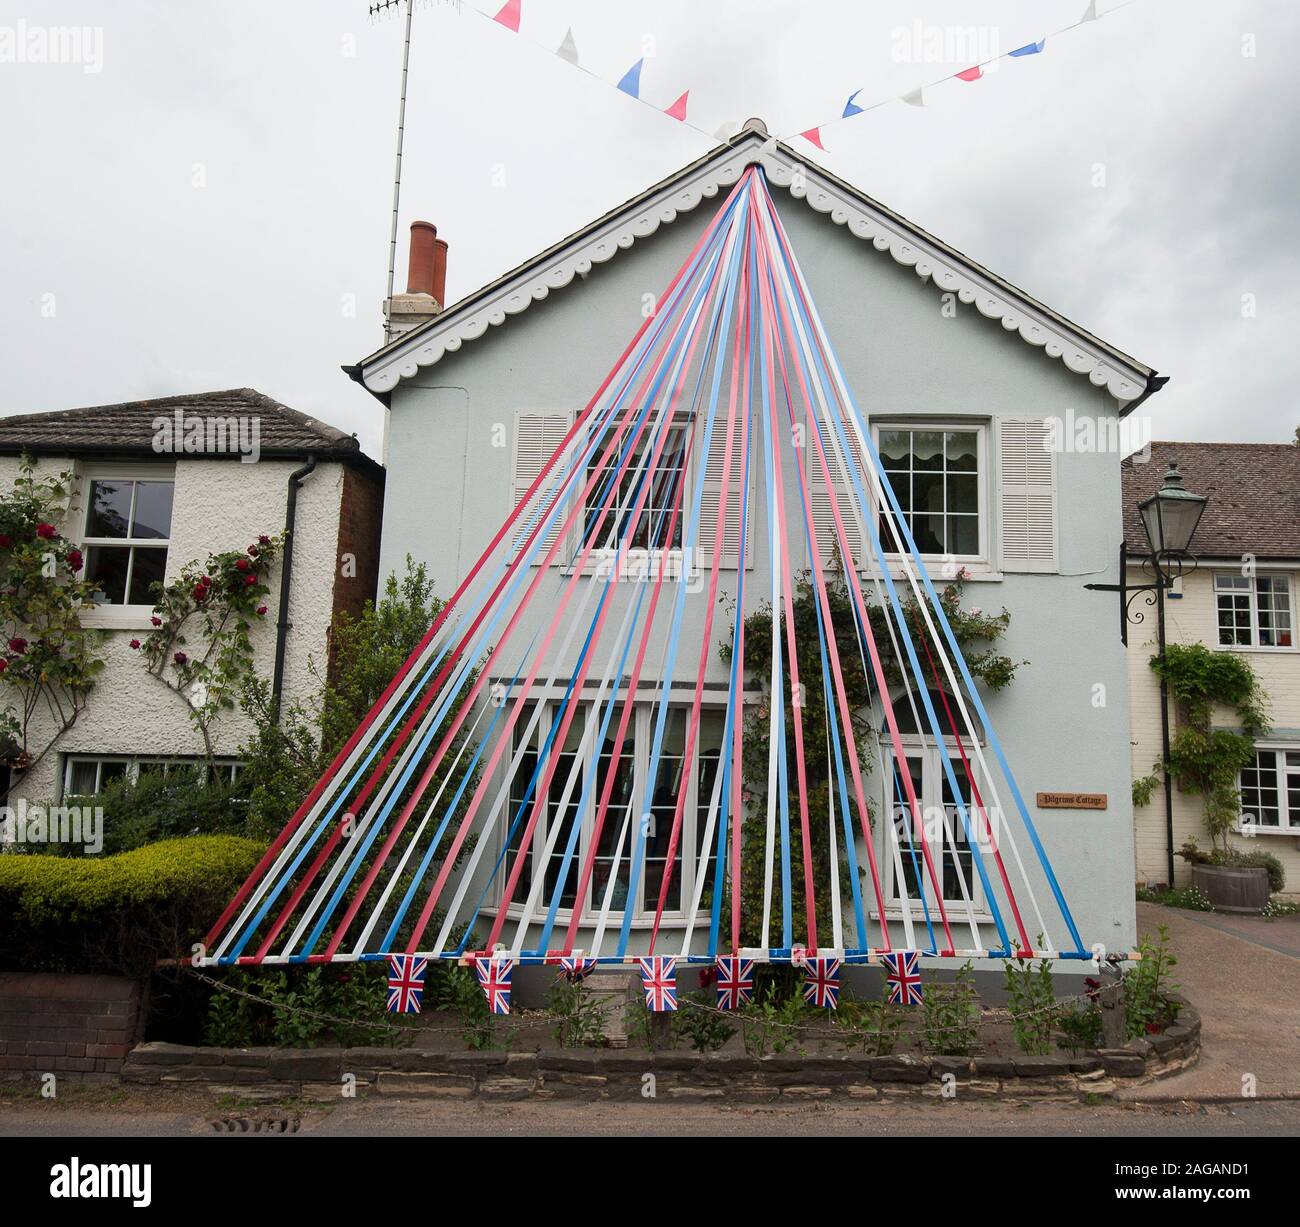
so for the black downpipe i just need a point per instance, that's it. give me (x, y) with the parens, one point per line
(283, 624)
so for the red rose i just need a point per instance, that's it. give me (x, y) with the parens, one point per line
(241, 564)
(156, 620)
(707, 976)
(252, 551)
(180, 658)
(261, 611)
(5, 541)
(18, 645)
(1153, 1028)
(75, 560)
(4, 664)
(201, 590)
(264, 540)
(135, 645)
(250, 581)
(46, 532)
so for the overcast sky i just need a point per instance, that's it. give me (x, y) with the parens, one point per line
(207, 205)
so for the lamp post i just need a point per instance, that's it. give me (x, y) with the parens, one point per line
(1169, 518)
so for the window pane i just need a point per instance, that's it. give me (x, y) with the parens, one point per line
(963, 535)
(153, 509)
(712, 727)
(519, 789)
(615, 824)
(927, 450)
(106, 568)
(927, 492)
(563, 763)
(108, 509)
(963, 493)
(110, 771)
(928, 531)
(895, 448)
(962, 451)
(148, 569)
(82, 775)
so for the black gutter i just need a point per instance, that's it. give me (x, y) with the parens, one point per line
(1154, 384)
(283, 624)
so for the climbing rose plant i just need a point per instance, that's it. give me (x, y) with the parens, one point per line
(200, 646)
(48, 661)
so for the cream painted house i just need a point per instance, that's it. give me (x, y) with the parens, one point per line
(160, 483)
(1242, 597)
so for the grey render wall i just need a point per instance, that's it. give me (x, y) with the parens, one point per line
(449, 489)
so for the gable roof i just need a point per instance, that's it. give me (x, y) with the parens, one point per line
(1254, 493)
(127, 429)
(1127, 379)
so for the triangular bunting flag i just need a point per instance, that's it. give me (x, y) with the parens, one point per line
(568, 50)
(678, 109)
(726, 131)
(631, 82)
(814, 137)
(494, 978)
(509, 15)
(405, 983)
(851, 107)
(903, 977)
(735, 983)
(1029, 48)
(970, 74)
(659, 979)
(1090, 14)
(822, 981)
(914, 98)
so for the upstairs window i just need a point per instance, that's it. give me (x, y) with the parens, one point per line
(936, 475)
(126, 533)
(1254, 611)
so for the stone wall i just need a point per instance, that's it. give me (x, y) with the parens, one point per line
(81, 1027)
(595, 1074)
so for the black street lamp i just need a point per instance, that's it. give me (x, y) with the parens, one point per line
(1169, 518)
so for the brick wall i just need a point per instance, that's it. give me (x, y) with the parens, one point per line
(79, 1027)
(361, 513)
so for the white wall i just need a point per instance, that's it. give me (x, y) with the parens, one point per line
(219, 505)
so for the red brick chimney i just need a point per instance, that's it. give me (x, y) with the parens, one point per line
(426, 281)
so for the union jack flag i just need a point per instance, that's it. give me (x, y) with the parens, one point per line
(494, 978)
(903, 977)
(576, 969)
(405, 983)
(735, 983)
(822, 981)
(659, 979)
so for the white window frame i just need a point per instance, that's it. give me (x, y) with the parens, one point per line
(982, 563)
(1285, 826)
(133, 763)
(640, 562)
(1254, 645)
(932, 781)
(124, 616)
(641, 729)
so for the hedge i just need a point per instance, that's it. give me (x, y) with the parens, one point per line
(117, 913)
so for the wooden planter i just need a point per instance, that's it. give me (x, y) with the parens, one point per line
(1232, 888)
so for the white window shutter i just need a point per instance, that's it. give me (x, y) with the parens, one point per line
(1026, 495)
(537, 435)
(844, 493)
(711, 496)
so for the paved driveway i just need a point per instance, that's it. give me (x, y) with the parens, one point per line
(1243, 974)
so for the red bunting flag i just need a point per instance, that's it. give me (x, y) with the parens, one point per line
(509, 15)
(814, 137)
(678, 109)
(971, 74)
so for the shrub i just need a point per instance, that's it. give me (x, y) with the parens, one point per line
(579, 1017)
(1149, 1003)
(1237, 858)
(699, 1022)
(950, 1015)
(872, 1027)
(117, 913)
(1032, 1002)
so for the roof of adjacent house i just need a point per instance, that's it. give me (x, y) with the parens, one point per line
(708, 178)
(1253, 491)
(130, 428)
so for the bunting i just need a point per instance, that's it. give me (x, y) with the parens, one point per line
(735, 982)
(903, 978)
(659, 980)
(822, 981)
(493, 974)
(405, 983)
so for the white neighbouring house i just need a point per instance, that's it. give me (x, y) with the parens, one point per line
(1240, 598)
(139, 515)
